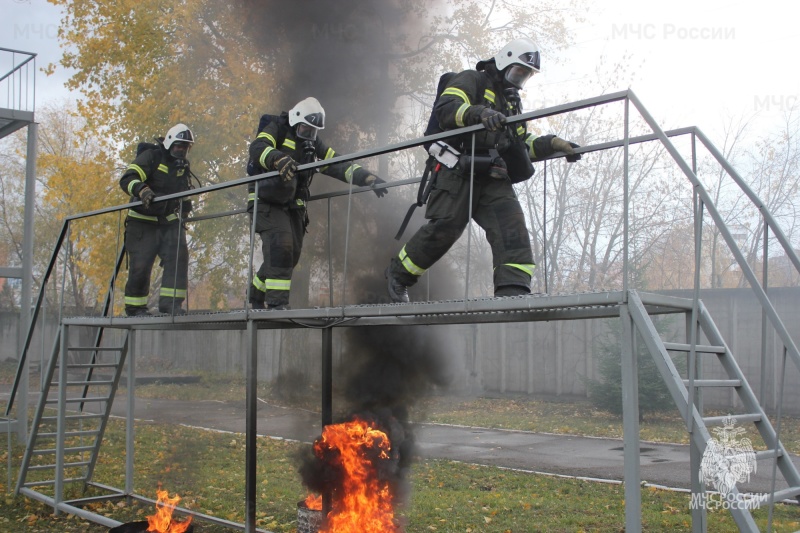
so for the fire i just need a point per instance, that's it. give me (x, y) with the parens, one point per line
(161, 522)
(363, 501)
(314, 502)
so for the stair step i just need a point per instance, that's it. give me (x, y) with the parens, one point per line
(94, 348)
(785, 494)
(76, 449)
(90, 365)
(81, 400)
(87, 433)
(73, 417)
(714, 420)
(680, 347)
(66, 465)
(88, 383)
(715, 382)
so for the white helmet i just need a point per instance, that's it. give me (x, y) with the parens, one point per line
(178, 132)
(309, 117)
(522, 52)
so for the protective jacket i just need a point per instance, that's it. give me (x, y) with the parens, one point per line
(275, 134)
(492, 203)
(165, 175)
(462, 101)
(155, 232)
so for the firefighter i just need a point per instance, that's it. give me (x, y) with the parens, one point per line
(503, 155)
(155, 229)
(284, 142)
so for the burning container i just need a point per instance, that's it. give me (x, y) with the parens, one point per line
(309, 519)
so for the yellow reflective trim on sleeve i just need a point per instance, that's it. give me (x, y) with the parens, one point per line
(163, 168)
(263, 156)
(520, 129)
(137, 301)
(300, 202)
(529, 142)
(489, 95)
(278, 284)
(330, 154)
(452, 91)
(132, 185)
(348, 174)
(528, 269)
(268, 137)
(134, 214)
(251, 197)
(460, 114)
(290, 144)
(409, 264)
(172, 217)
(138, 170)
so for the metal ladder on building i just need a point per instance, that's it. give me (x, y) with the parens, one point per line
(71, 416)
(686, 391)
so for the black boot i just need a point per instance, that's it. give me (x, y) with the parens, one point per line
(397, 291)
(137, 311)
(256, 305)
(511, 290)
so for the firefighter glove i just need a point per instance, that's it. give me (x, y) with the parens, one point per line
(560, 145)
(146, 195)
(373, 180)
(492, 120)
(286, 167)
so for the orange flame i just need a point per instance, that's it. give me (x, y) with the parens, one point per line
(365, 502)
(161, 522)
(314, 502)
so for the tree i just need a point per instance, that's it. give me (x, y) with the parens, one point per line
(72, 177)
(142, 66)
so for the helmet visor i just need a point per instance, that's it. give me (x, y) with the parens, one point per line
(180, 149)
(517, 75)
(307, 132)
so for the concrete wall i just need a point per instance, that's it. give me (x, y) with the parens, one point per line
(543, 358)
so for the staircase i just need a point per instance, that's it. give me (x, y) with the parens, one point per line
(687, 394)
(71, 417)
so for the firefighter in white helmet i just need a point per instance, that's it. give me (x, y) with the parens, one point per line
(154, 229)
(283, 142)
(502, 157)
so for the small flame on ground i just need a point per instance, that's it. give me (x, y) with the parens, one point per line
(363, 504)
(161, 522)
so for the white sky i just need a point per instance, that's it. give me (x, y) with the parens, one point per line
(697, 61)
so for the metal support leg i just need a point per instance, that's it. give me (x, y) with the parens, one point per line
(61, 424)
(251, 428)
(129, 430)
(630, 425)
(327, 396)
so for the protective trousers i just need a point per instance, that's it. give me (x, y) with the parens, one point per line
(282, 231)
(144, 241)
(494, 207)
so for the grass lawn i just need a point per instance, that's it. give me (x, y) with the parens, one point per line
(206, 469)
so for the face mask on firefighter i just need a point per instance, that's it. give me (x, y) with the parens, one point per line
(305, 131)
(517, 75)
(179, 150)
